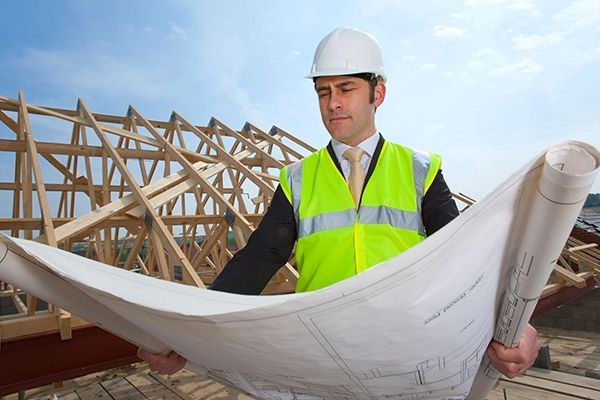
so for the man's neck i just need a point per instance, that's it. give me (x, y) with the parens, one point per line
(368, 145)
(358, 141)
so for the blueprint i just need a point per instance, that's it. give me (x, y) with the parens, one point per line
(414, 327)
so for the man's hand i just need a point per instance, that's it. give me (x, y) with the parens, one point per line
(514, 361)
(167, 365)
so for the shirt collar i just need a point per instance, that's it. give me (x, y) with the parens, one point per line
(368, 145)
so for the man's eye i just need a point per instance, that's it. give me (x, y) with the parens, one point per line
(346, 90)
(323, 94)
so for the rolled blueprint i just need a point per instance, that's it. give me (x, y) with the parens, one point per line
(414, 327)
(565, 181)
(24, 271)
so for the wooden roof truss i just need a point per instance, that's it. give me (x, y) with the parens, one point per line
(165, 198)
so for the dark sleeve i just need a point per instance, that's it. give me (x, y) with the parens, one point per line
(438, 207)
(268, 249)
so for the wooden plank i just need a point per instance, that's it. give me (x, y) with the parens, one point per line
(279, 131)
(120, 388)
(159, 254)
(557, 387)
(19, 305)
(61, 395)
(151, 388)
(67, 396)
(26, 178)
(123, 221)
(210, 241)
(191, 386)
(570, 379)
(94, 391)
(47, 148)
(9, 122)
(582, 247)
(576, 351)
(16, 206)
(515, 391)
(92, 193)
(41, 322)
(64, 324)
(570, 276)
(552, 288)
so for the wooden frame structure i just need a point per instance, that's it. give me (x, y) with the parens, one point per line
(165, 198)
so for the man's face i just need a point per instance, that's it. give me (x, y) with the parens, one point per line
(345, 108)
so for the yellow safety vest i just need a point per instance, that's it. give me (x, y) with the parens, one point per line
(336, 241)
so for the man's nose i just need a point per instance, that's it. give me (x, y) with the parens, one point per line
(335, 102)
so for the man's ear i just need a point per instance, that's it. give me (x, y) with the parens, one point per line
(379, 94)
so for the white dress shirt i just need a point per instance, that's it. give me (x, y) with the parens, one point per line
(368, 145)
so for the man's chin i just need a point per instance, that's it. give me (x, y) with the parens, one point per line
(338, 134)
(340, 138)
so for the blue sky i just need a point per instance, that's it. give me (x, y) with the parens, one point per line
(487, 83)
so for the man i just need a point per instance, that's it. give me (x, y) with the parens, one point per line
(367, 198)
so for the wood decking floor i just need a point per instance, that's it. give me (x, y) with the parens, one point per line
(578, 377)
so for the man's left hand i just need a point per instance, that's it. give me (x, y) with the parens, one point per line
(512, 361)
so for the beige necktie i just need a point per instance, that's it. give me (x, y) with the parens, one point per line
(357, 172)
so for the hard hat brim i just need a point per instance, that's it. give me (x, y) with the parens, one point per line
(344, 73)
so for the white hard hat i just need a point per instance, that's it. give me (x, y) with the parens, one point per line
(347, 51)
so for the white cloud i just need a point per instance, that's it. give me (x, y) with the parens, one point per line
(522, 5)
(581, 14)
(485, 58)
(429, 67)
(448, 32)
(488, 53)
(511, 5)
(525, 67)
(409, 57)
(530, 42)
(475, 64)
(179, 32)
(483, 2)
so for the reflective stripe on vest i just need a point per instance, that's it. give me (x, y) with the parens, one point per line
(368, 215)
(324, 221)
(420, 169)
(294, 176)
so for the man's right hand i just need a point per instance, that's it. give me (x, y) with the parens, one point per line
(167, 365)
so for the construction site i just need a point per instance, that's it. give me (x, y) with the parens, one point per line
(175, 200)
